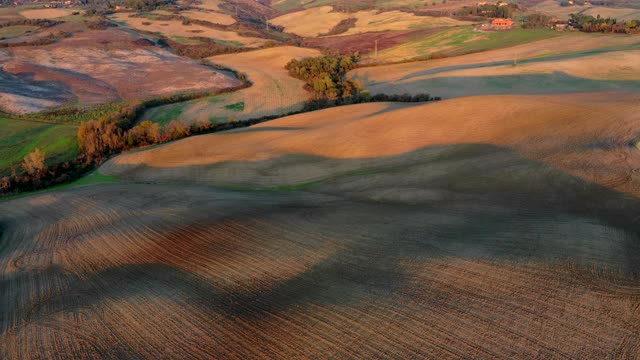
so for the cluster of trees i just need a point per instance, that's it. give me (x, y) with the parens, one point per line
(497, 10)
(110, 134)
(206, 47)
(365, 97)
(588, 23)
(148, 5)
(326, 76)
(532, 21)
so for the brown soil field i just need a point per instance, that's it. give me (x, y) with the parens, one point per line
(365, 43)
(175, 28)
(484, 227)
(99, 66)
(572, 63)
(273, 91)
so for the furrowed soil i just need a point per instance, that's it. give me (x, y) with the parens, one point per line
(484, 227)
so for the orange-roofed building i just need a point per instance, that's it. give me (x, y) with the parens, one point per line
(502, 23)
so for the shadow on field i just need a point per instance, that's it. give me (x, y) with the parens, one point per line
(577, 55)
(476, 200)
(209, 262)
(527, 84)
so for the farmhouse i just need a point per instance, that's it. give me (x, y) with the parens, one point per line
(501, 23)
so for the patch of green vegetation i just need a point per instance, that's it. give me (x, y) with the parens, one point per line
(16, 31)
(165, 114)
(217, 119)
(75, 114)
(186, 41)
(229, 43)
(95, 177)
(239, 106)
(464, 40)
(19, 137)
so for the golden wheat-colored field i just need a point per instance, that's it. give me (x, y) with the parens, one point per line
(175, 28)
(46, 13)
(587, 136)
(272, 92)
(319, 20)
(311, 22)
(210, 16)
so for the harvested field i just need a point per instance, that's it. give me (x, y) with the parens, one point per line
(46, 13)
(209, 4)
(458, 41)
(570, 134)
(370, 21)
(175, 28)
(96, 67)
(492, 227)
(565, 64)
(607, 71)
(311, 22)
(18, 138)
(210, 16)
(365, 43)
(552, 7)
(318, 20)
(273, 91)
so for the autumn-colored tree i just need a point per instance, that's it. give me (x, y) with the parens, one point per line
(34, 163)
(178, 129)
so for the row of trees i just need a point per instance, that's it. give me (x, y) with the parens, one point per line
(326, 76)
(33, 173)
(588, 23)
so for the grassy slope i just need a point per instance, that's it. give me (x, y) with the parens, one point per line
(461, 40)
(18, 138)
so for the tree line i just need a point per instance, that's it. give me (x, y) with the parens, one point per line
(588, 23)
(497, 10)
